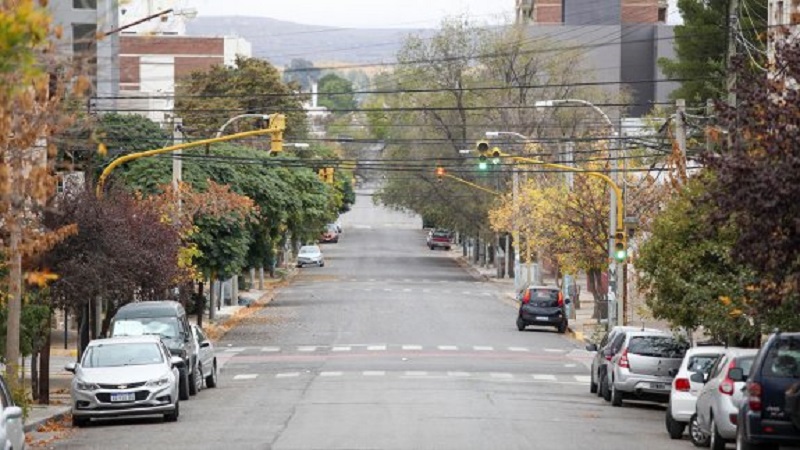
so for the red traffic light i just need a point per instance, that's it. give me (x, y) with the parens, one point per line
(440, 172)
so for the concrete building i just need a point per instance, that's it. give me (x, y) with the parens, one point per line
(170, 24)
(623, 40)
(81, 22)
(783, 17)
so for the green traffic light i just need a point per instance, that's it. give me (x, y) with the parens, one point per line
(620, 255)
(482, 165)
(495, 161)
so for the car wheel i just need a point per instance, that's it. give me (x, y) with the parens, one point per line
(173, 416)
(674, 428)
(201, 377)
(211, 379)
(520, 324)
(562, 327)
(616, 395)
(78, 422)
(430, 247)
(606, 391)
(699, 439)
(299, 266)
(194, 379)
(322, 264)
(592, 385)
(183, 385)
(717, 442)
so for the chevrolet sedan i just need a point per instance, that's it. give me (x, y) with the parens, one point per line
(125, 376)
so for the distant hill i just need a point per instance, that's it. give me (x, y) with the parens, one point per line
(279, 41)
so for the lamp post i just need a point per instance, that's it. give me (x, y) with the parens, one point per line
(613, 225)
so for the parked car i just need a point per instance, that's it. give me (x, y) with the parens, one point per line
(683, 397)
(603, 356)
(206, 359)
(12, 434)
(644, 367)
(543, 306)
(310, 254)
(168, 320)
(330, 235)
(440, 239)
(768, 408)
(718, 401)
(125, 376)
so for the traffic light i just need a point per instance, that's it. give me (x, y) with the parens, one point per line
(329, 175)
(620, 247)
(482, 163)
(321, 174)
(495, 155)
(278, 123)
(482, 147)
(440, 173)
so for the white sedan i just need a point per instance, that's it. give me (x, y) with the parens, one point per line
(310, 255)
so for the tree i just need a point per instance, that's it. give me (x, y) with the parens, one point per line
(302, 73)
(206, 100)
(757, 184)
(31, 112)
(336, 93)
(687, 272)
(701, 46)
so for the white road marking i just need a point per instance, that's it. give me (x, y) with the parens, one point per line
(406, 290)
(458, 374)
(416, 373)
(387, 290)
(376, 348)
(554, 350)
(362, 227)
(407, 280)
(544, 377)
(246, 376)
(412, 347)
(235, 349)
(503, 376)
(330, 374)
(288, 375)
(270, 349)
(479, 348)
(518, 349)
(426, 291)
(583, 378)
(372, 279)
(309, 348)
(570, 365)
(448, 348)
(467, 292)
(341, 349)
(373, 373)
(486, 294)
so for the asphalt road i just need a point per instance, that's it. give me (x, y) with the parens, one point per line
(392, 346)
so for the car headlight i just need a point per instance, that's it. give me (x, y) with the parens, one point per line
(84, 386)
(163, 381)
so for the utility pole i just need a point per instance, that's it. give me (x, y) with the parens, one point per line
(733, 48)
(680, 136)
(709, 114)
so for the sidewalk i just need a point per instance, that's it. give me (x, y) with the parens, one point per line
(45, 421)
(583, 326)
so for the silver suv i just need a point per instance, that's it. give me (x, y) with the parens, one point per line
(644, 367)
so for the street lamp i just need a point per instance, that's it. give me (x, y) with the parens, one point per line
(613, 255)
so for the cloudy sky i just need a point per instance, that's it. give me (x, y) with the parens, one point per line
(359, 13)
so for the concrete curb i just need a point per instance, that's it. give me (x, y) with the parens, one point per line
(464, 264)
(59, 415)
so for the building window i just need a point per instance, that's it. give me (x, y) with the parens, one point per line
(84, 4)
(662, 15)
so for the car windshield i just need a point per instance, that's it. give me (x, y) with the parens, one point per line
(656, 346)
(441, 234)
(167, 327)
(543, 297)
(308, 250)
(117, 355)
(783, 359)
(701, 363)
(745, 363)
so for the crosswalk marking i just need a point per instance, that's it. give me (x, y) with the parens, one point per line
(246, 376)
(234, 349)
(458, 374)
(374, 373)
(448, 348)
(480, 348)
(500, 375)
(518, 349)
(416, 373)
(341, 349)
(554, 350)
(412, 347)
(288, 375)
(376, 348)
(544, 377)
(330, 374)
(583, 378)
(270, 349)
(308, 348)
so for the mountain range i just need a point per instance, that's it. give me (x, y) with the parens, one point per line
(279, 41)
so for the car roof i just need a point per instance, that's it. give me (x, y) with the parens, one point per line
(141, 339)
(648, 333)
(543, 287)
(709, 349)
(737, 352)
(149, 309)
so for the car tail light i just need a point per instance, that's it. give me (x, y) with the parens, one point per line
(526, 298)
(727, 386)
(682, 384)
(560, 299)
(623, 360)
(608, 356)
(754, 396)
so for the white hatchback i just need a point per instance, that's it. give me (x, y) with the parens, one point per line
(683, 396)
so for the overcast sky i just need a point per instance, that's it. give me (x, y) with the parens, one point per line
(359, 13)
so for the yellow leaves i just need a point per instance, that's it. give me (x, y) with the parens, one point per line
(40, 278)
(725, 300)
(102, 150)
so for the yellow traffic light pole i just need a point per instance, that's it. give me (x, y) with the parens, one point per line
(273, 130)
(469, 183)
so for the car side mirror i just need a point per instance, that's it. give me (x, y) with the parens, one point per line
(205, 344)
(70, 367)
(12, 413)
(591, 347)
(737, 374)
(698, 377)
(177, 361)
(568, 301)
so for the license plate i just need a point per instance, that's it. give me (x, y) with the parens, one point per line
(123, 397)
(543, 319)
(659, 386)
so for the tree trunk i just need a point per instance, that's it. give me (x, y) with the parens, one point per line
(212, 308)
(44, 363)
(14, 305)
(199, 304)
(84, 331)
(595, 282)
(35, 376)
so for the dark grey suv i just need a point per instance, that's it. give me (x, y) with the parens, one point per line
(542, 305)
